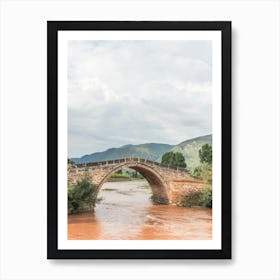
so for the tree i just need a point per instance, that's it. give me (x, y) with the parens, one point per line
(174, 159)
(180, 160)
(167, 158)
(204, 170)
(205, 154)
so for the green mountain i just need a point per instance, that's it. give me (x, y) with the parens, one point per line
(190, 149)
(151, 151)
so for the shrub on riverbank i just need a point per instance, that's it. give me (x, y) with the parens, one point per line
(203, 199)
(82, 196)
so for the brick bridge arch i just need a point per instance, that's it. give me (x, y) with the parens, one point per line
(155, 180)
(168, 184)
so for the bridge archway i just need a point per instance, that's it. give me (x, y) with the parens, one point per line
(156, 182)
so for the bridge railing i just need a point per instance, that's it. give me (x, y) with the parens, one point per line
(129, 159)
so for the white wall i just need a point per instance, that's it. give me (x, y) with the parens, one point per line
(255, 139)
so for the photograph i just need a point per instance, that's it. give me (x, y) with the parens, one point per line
(139, 116)
(139, 139)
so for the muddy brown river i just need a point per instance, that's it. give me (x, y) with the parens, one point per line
(126, 212)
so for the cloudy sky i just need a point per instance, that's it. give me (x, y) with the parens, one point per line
(133, 92)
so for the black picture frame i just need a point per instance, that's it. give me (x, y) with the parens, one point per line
(53, 27)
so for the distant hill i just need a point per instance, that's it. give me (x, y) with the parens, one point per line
(151, 151)
(190, 148)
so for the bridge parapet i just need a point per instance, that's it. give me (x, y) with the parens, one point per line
(128, 160)
(166, 182)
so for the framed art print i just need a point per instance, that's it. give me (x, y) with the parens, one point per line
(139, 140)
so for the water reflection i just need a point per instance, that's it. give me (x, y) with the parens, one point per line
(126, 212)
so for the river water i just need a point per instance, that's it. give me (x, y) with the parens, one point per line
(126, 212)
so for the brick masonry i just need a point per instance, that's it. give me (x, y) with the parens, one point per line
(168, 184)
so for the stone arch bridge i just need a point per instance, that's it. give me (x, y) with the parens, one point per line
(169, 185)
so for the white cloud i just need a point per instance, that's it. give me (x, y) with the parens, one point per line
(123, 92)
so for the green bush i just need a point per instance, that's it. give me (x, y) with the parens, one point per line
(120, 175)
(82, 196)
(137, 175)
(203, 199)
(204, 172)
(190, 200)
(206, 198)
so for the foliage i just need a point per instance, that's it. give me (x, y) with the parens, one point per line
(197, 172)
(204, 172)
(70, 161)
(205, 154)
(174, 159)
(118, 175)
(190, 200)
(206, 197)
(203, 198)
(82, 195)
(190, 148)
(127, 174)
(137, 175)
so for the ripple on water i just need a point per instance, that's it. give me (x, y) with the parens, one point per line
(126, 212)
